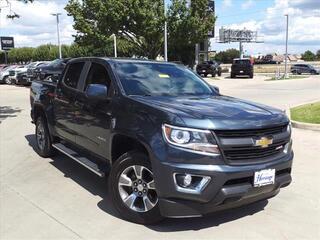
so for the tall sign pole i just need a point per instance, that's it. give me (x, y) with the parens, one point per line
(286, 59)
(165, 33)
(58, 32)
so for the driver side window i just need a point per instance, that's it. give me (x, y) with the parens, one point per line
(98, 74)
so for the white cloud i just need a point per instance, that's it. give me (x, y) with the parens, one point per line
(227, 3)
(304, 31)
(247, 4)
(36, 25)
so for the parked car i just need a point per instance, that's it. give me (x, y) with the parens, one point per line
(3, 66)
(304, 68)
(22, 76)
(209, 67)
(5, 74)
(241, 67)
(31, 75)
(172, 144)
(54, 68)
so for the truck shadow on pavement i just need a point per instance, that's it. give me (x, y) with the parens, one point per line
(98, 187)
(7, 111)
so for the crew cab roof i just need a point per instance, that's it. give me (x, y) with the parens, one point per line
(124, 60)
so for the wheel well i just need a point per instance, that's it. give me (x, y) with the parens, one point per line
(38, 111)
(122, 144)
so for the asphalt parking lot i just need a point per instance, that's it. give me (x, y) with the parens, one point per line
(58, 199)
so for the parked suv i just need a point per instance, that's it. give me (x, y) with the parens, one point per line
(209, 67)
(241, 66)
(304, 68)
(170, 144)
(53, 69)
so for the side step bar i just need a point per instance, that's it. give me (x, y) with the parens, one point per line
(82, 160)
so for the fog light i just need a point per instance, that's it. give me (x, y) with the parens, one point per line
(187, 180)
(190, 183)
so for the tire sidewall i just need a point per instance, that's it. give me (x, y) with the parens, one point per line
(46, 152)
(127, 160)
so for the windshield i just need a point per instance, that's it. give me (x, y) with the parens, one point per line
(55, 62)
(242, 62)
(160, 79)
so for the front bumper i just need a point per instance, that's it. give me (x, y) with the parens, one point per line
(229, 187)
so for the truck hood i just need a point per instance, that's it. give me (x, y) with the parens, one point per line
(216, 112)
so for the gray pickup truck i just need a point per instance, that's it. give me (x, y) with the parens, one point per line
(170, 144)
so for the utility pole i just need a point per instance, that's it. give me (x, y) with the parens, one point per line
(58, 33)
(286, 56)
(115, 45)
(165, 33)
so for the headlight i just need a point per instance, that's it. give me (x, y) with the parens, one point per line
(201, 141)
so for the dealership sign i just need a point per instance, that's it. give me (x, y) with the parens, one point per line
(7, 43)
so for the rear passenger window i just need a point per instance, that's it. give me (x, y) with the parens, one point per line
(98, 74)
(73, 74)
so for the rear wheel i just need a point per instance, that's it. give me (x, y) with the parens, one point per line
(205, 75)
(132, 188)
(43, 140)
(251, 75)
(233, 75)
(219, 73)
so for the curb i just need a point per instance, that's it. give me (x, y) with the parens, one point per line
(306, 126)
(303, 125)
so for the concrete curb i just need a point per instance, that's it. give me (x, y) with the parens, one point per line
(303, 125)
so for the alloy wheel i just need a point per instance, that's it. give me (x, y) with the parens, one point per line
(137, 189)
(41, 136)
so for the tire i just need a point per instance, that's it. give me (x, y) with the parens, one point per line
(232, 75)
(251, 75)
(214, 74)
(7, 80)
(135, 210)
(43, 139)
(205, 75)
(219, 73)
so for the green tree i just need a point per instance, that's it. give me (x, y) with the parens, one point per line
(227, 56)
(188, 24)
(308, 56)
(139, 22)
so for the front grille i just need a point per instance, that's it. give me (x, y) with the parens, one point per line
(12, 73)
(250, 132)
(252, 153)
(237, 153)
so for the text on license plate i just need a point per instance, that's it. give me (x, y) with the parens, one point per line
(264, 177)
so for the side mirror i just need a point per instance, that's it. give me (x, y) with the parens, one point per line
(97, 92)
(215, 89)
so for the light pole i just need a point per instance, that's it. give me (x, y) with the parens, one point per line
(115, 45)
(58, 33)
(286, 56)
(165, 33)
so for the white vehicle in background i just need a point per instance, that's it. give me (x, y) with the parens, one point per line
(4, 74)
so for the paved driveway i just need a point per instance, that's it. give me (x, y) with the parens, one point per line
(58, 199)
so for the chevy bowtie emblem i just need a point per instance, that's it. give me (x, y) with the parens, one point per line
(263, 142)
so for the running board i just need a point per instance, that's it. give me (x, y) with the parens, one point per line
(76, 157)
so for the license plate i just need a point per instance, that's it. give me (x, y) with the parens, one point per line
(264, 177)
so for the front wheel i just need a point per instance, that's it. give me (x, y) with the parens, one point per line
(133, 190)
(43, 140)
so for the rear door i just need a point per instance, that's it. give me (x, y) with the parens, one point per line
(94, 119)
(64, 101)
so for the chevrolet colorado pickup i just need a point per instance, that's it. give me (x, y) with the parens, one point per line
(170, 144)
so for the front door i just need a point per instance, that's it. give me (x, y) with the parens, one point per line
(94, 119)
(64, 102)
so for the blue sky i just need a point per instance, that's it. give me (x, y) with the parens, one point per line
(36, 26)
